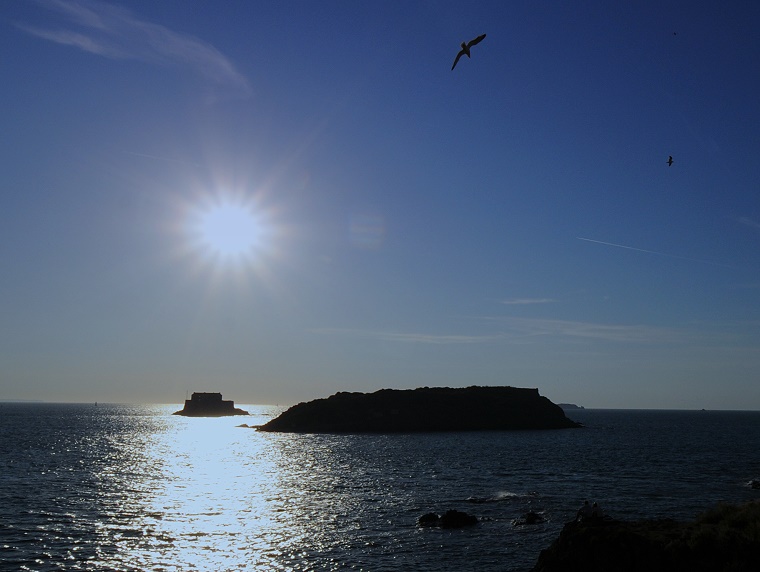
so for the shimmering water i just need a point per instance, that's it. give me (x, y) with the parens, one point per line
(118, 487)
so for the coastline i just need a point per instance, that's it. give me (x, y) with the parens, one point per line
(725, 538)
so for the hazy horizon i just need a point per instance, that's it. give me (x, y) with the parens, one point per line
(241, 404)
(283, 200)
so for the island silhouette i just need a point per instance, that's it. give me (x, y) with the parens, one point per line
(424, 409)
(203, 404)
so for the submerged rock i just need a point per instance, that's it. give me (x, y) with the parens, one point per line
(424, 409)
(724, 539)
(209, 405)
(529, 518)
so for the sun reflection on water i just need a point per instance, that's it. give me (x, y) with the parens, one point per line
(199, 494)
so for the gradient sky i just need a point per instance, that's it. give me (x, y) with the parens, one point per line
(510, 222)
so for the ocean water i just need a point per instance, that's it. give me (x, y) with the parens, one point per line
(131, 487)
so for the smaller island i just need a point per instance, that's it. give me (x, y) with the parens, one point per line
(209, 405)
(425, 409)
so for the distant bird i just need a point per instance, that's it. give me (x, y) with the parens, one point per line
(465, 51)
(670, 160)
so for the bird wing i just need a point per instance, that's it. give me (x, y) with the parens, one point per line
(476, 40)
(459, 55)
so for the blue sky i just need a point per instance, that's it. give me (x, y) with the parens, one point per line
(399, 224)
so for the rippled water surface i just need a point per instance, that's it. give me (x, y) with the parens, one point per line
(119, 487)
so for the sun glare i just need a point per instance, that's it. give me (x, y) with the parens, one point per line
(229, 231)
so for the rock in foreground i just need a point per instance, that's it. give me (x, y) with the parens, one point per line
(424, 409)
(209, 405)
(724, 539)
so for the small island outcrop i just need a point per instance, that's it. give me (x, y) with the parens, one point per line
(422, 410)
(724, 539)
(209, 405)
(570, 406)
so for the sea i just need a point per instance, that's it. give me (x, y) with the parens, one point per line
(133, 488)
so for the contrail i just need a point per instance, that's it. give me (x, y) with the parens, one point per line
(655, 252)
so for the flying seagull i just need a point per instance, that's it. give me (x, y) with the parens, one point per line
(670, 160)
(465, 51)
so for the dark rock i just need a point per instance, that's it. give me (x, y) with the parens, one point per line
(424, 409)
(754, 484)
(450, 519)
(722, 540)
(429, 519)
(457, 519)
(209, 405)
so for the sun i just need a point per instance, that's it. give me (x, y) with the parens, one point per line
(229, 231)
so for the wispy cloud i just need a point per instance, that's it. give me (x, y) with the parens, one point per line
(527, 301)
(588, 330)
(510, 330)
(746, 221)
(691, 335)
(436, 338)
(113, 32)
(518, 329)
(410, 337)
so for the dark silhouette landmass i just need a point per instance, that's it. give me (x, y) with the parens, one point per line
(726, 538)
(423, 409)
(570, 406)
(209, 405)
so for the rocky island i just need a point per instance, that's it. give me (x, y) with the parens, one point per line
(724, 539)
(209, 405)
(424, 409)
